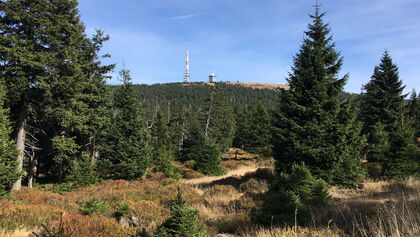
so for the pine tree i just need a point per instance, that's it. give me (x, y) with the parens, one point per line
(242, 128)
(63, 87)
(219, 119)
(163, 152)
(182, 222)
(96, 94)
(126, 153)
(200, 149)
(379, 145)
(383, 98)
(400, 159)
(259, 131)
(414, 111)
(8, 168)
(307, 127)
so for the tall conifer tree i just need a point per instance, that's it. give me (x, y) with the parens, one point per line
(259, 131)
(382, 98)
(307, 127)
(127, 152)
(24, 51)
(201, 150)
(219, 121)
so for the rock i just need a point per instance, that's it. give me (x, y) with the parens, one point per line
(128, 221)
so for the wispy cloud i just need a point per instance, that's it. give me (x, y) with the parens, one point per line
(174, 18)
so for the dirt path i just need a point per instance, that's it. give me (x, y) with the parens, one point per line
(241, 171)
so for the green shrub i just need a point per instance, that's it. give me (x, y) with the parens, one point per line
(293, 195)
(123, 209)
(93, 206)
(82, 173)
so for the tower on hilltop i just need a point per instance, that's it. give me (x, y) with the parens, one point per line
(187, 71)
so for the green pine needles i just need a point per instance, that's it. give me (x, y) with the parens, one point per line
(311, 126)
(8, 153)
(182, 222)
(128, 153)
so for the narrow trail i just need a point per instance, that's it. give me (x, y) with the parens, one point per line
(241, 171)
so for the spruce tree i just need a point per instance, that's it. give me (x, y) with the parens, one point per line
(218, 119)
(182, 222)
(163, 152)
(126, 153)
(400, 160)
(202, 151)
(96, 94)
(242, 128)
(64, 86)
(24, 52)
(8, 168)
(259, 131)
(307, 127)
(382, 98)
(414, 111)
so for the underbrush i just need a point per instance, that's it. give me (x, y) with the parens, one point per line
(379, 209)
(149, 201)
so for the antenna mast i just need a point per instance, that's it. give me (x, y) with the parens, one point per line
(187, 71)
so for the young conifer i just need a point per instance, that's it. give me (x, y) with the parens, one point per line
(182, 222)
(126, 153)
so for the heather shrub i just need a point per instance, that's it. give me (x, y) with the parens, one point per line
(93, 206)
(26, 216)
(254, 186)
(293, 196)
(79, 225)
(149, 214)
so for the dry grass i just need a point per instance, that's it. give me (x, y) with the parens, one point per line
(17, 233)
(289, 232)
(238, 154)
(209, 179)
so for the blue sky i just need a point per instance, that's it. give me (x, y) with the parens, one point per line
(251, 40)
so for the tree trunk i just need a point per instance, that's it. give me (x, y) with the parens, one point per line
(208, 116)
(20, 144)
(32, 167)
(60, 172)
(92, 142)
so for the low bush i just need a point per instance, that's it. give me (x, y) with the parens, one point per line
(93, 206)
(123, 209)
(26, 216)
(149, 214)
(293, 197)
(79, 225)
(254, 186)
